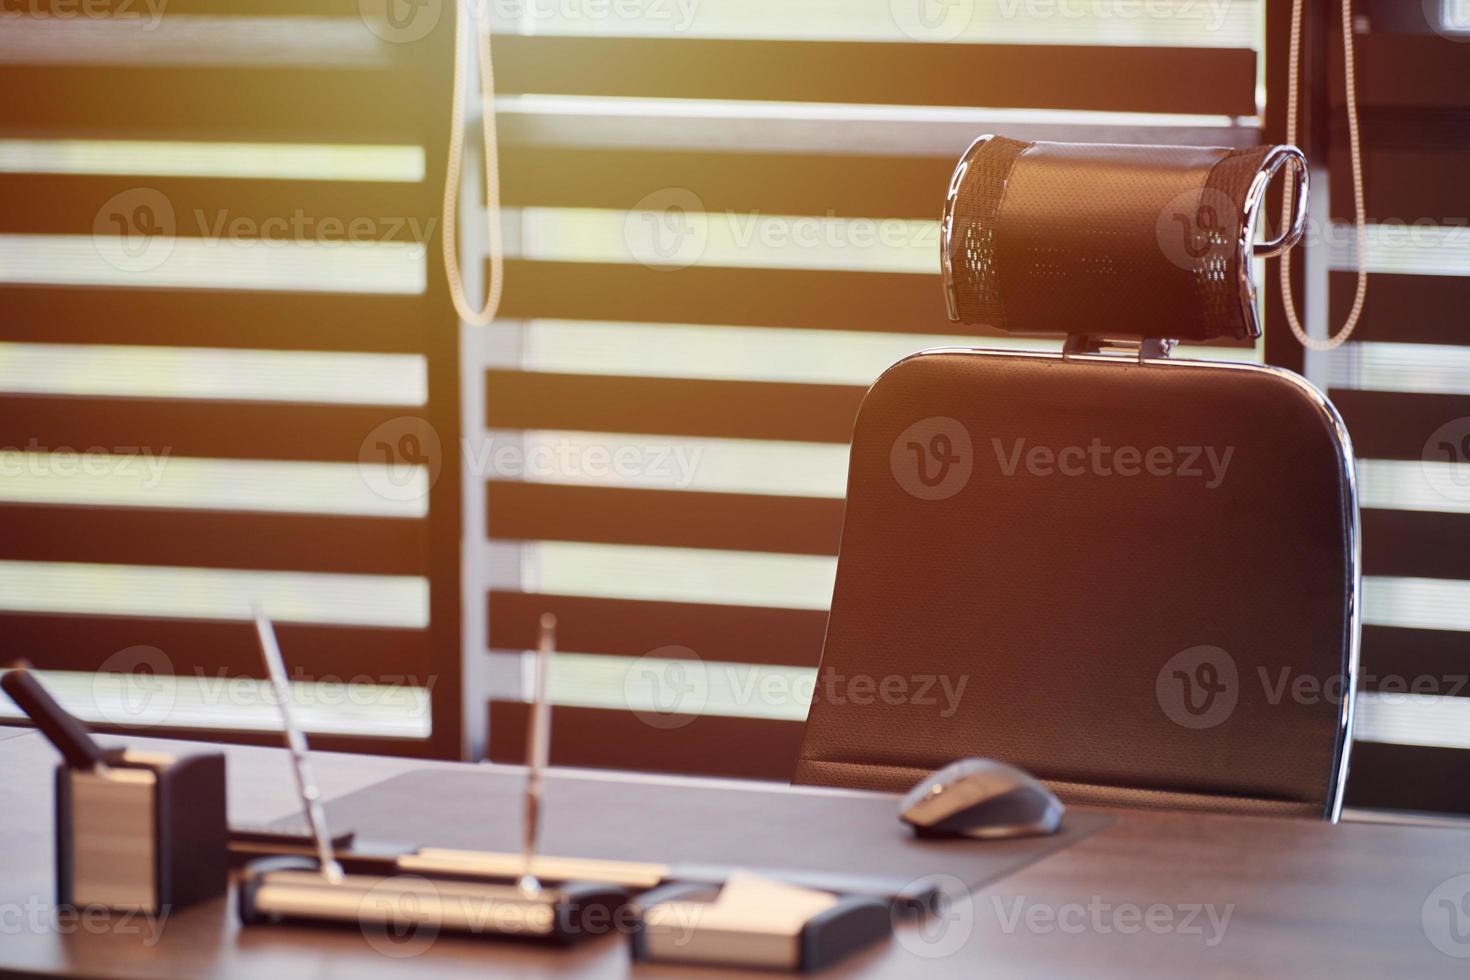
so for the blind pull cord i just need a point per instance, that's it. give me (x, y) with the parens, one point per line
(469, 314)
(1359, 216)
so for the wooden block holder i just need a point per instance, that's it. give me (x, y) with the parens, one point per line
(144, 832)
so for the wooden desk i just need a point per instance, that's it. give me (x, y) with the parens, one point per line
(1135, 899)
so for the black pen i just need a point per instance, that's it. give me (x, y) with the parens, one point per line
(71, 738)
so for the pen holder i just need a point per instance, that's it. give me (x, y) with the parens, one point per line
(146, 833)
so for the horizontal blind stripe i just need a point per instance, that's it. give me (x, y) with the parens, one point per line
(758, 297)
(662, 462)
(831, 129)
(219, 210)
(723, 409)
(236, 705)
(283, 104)
(1429, 661)
(209, 648)
(225, 263)
(1409, 70)
(805, 582)
(870, 186)
(726, 239)
(1396, 543)
(1423, 485)
(1417, 544)
(1200, 80)
(664, 518)
(1414, 246)
(145, 479)
(1397, 777)
(1406, 308)
(202, 429)
(214, 318)
(598, 738)
(669, 681)
(736, 353)
(1432, 369)
(151, 36)
(192, 593)
(1402, 183)
(1416, 603)
(739, 578)
(220, 8)
(1387, 425)
(1413, 719)
(325, 162)
(275, 542)
(744, 634)
(1232, 23)
(108, 370)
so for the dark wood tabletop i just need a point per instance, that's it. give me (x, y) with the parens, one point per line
(1150, 894)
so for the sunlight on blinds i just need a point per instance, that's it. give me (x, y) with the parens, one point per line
(260, 161)
(208, 593)
(141, 477)
(386, 267)
(110, 370)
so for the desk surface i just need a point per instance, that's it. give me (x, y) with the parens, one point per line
(1153, 894)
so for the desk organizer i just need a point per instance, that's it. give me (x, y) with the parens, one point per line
(292, 889)
(776, 926)
(145, 832)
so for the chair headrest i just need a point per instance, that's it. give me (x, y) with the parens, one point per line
(1110, 240)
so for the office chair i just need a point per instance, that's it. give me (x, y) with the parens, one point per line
(1133, 575)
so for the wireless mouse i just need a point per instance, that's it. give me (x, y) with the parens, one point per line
(981, 798)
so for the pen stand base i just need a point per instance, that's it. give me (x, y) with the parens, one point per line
(284, 890)
(681, 924)
(147, 833)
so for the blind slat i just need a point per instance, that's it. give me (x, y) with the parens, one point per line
(134, 536)
(217, 318)
(208, 647)
(672, 406)
(1181, 80)
(212, 429)
(667, 518)
(748, 748)
(627, 627)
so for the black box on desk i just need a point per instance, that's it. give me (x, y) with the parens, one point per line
(147, 833)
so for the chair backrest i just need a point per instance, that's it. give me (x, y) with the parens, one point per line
(1134, 576)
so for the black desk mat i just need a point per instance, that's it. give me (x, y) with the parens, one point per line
(816, 838)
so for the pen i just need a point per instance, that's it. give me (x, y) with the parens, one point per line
(538, 741)
(311, 797)
(71, 738)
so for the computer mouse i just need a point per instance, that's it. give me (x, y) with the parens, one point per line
(981, 798)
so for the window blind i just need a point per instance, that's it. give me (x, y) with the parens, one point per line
(1401, 386)
(721, 230)
(224, 374)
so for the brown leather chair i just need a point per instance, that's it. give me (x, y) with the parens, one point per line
(1134, 576)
